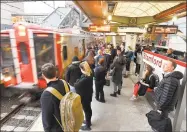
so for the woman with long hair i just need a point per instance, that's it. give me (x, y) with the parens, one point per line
(148, 81)
(84, 87)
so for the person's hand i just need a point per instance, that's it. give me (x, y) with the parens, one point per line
(159, 111)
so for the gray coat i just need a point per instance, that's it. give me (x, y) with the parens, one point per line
(166, 94)
(118, 65)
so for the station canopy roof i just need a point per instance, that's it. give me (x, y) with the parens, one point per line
(132, 13)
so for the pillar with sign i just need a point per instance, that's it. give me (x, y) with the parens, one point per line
(131, 41)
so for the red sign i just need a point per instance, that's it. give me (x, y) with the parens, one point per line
(94, 28)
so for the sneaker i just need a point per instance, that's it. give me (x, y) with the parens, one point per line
(102, 101)
(113, 95)
(85, 128)
(133, 98)
(84, 122)
(119, 92)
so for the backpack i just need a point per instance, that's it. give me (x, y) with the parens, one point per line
(156, 79)
(71, 111)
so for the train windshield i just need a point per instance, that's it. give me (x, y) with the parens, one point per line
(44, 50)
(7, 63)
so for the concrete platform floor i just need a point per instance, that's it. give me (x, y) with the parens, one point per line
(117, 114)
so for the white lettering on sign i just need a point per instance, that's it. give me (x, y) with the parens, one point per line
(158, 63)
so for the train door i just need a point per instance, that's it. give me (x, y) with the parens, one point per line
(8, 76)
(44, 53)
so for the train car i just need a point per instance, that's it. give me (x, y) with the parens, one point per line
(26, 47)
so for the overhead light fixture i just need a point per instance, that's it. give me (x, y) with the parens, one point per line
(174, 18)
(109, 17)
(146, 26)
(104, 22)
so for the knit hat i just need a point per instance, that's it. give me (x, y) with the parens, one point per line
(75, 58)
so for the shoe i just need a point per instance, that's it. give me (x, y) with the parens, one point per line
(84, 122)
(125, 76)
(113, 95)
(119, 92)
(97, 99)
(86, 128)
(102, 101)
(133, 98)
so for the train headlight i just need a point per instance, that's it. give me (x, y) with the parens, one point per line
(7, 78)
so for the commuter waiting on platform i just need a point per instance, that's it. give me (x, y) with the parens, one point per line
(138, 60)
(90, 59)
(107, 59)
(166, 94)
(49, 103)
(100, 73)
(148, 83)
(116, 72)
(73, 73)
(98, 56)
(84, 87)
(129, 55)
(170, 54)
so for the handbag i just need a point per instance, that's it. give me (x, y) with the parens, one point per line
(142, 89)
(112, 71)
(159, 123)
(107, 82)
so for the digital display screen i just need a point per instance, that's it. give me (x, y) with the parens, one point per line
(94, 28)
(165, 29)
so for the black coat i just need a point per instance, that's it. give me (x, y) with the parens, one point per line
(107, 61)
(73, 73)
(167, 90)
(118, 64)
(100, 73)
(50, 107)
(84, 87)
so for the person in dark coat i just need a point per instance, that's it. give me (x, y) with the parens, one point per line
(117, 68)
(170, 54)
(100, 73)
(113, 52)
(73, 73)
(49, 103)
(129, 55)
(84, 87)
(166, 94)
(107, 59)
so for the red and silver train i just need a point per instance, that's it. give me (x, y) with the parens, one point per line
(26, 47)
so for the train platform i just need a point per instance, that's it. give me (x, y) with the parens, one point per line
(117, 114)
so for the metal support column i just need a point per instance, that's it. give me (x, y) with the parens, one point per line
(181, 106)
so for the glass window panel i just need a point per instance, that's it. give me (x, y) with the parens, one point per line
(23, 53)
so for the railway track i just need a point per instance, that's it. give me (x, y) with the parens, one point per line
(20, 118)
(12, 113)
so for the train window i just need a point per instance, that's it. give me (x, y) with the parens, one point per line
(44, 50)
(65, 53)
(23, 53)
(6, 51)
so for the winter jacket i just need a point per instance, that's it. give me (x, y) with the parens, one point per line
(73, 73)
(139, 58)
(100, 73)
(50, 107)
(118, 64)
(97, 59)
(150, 81)
(84, 87)
(107, 61)
(172, 56)
(167, 90)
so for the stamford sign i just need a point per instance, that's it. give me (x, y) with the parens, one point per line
(152, 60)
(158, 61)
